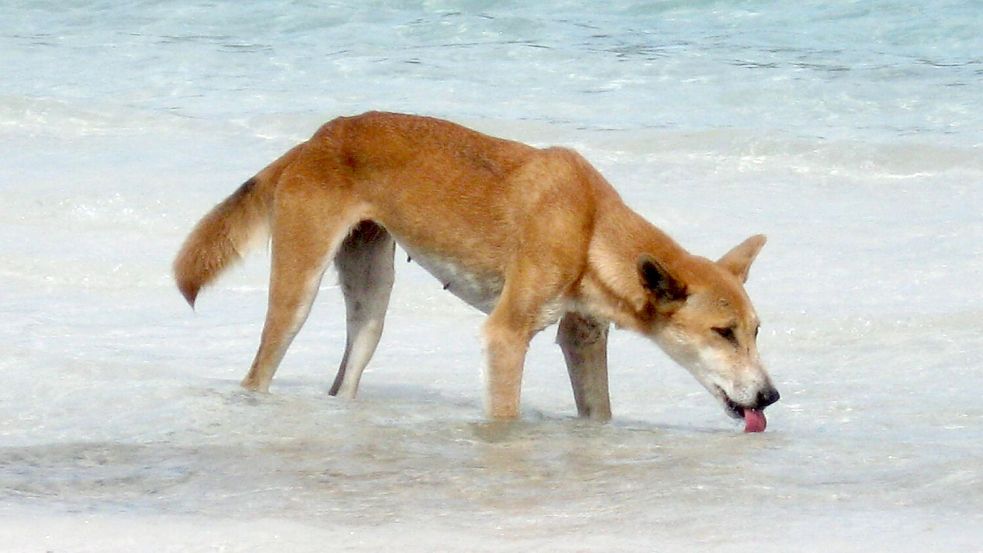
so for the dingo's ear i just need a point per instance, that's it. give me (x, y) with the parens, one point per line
(657, 279)
(738, 260)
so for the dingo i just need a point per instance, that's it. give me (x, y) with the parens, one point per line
(529, 236)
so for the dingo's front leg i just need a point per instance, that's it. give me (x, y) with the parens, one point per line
(505, 350)
(584, 342)
(508, 331)
(528, 303)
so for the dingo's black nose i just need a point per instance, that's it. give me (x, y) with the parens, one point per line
(767, 396)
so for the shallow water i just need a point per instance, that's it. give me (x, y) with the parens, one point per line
(848, 133)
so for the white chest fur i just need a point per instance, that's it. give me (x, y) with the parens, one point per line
(479, 290)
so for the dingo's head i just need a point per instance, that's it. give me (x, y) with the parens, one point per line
(706, 323)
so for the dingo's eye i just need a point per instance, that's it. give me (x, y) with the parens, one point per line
(726, 333)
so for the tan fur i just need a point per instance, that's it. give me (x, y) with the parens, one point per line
(225, 234)
(527, 235)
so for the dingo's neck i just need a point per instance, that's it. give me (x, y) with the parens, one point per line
(612, 284)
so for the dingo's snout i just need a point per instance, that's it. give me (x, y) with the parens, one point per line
(766, 397)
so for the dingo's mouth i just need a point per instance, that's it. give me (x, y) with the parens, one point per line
(754, 419)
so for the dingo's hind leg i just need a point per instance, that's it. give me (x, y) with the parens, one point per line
(365, 269)
(307, 228)
(584, 342)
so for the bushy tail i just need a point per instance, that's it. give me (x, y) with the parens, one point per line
(224, 235)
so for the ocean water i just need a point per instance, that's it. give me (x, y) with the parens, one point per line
(848, 132)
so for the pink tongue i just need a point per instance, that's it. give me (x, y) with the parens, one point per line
(754, 420)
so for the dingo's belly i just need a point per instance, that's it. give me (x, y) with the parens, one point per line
(478, 289)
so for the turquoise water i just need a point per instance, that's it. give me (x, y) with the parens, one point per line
(882, 71)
